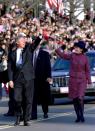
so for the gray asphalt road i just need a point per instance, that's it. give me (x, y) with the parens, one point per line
(61, 117)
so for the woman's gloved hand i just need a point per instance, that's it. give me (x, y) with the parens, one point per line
(63, 47)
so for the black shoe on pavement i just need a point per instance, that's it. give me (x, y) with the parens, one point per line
(45, 116)
(26, 123)
(77, 120)
(82, 120)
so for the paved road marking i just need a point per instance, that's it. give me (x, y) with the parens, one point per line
(5, 127)
(41, 119)
(61, 115)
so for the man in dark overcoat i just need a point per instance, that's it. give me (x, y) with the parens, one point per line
(42, 94)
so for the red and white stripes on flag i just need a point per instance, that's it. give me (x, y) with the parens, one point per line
(55, 4)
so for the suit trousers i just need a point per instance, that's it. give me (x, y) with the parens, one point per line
(34, 107)
(11, 102)
(23, 94)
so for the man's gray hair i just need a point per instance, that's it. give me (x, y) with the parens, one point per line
(20, 35)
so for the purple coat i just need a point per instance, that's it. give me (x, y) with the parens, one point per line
(79, 73)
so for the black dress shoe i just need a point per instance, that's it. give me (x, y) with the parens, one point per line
(82, 120)
(17, 121)
(77, 120)
(45, 116)
(26, 123)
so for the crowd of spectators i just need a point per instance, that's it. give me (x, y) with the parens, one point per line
(56, 29)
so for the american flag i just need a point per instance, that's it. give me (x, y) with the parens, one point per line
(55, 4)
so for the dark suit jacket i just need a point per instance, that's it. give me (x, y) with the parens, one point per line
(27, 66)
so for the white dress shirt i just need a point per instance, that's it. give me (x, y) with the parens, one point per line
(19, 56)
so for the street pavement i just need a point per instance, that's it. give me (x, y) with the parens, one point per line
(61, 118)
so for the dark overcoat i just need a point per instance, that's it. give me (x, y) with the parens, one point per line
(42, 72)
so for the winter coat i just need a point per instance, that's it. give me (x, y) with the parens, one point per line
(79, 73)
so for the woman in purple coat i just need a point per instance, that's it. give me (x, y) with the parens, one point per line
(79, 76)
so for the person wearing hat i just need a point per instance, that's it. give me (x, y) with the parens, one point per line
(79, 76)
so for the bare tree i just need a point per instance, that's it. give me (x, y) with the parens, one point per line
(94, 5)
(87, 5)
(74, 8)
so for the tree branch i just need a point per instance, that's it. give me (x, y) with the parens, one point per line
(78, 14)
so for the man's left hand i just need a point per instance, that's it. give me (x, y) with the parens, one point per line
(49, 80)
